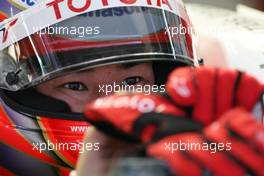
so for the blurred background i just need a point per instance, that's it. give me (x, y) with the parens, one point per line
(230, 4)
(230, 33)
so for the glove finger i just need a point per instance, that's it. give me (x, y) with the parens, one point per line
(226, 85)
(181, 87)
(249, 92)
(194, 89)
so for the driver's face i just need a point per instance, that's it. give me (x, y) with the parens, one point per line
(78, 89)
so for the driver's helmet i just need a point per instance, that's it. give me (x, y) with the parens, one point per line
(39, 134)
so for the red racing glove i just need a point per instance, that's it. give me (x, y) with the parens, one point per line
(127, 116)
(234, 145)
(206, 93)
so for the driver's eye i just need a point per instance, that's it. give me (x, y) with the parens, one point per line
(132, 80)
(75, 86)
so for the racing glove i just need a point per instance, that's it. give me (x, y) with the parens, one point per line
(206, 93)
(233, 145)
(126, 116)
